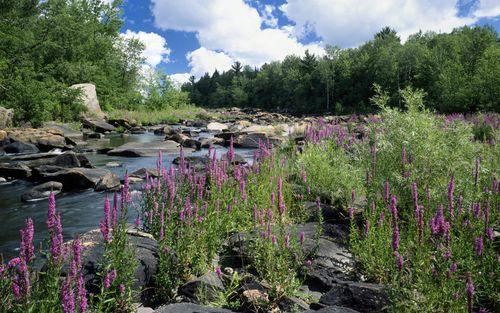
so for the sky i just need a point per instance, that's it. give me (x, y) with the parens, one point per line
(191, 37)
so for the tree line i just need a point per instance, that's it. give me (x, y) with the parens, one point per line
(47, 46)
(459, 72)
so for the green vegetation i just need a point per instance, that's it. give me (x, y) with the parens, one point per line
(145, 116)
(459, 72)
(431, 191)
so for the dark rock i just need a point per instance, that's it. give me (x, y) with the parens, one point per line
(227, 136)
(177, 137)
(146, 252)
(208, 284)
(120, 122)
(14, 170)
(359, 296)
(191, 143)
(138, 130)
(237, 159)
(20, 147)
(83, 178)
(97, 125)
(42, 191)
(196, 162)
(94, 136)
(67, 159)
(335, 309)
(189, 308)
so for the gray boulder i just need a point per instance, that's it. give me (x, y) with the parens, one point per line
(42, 191)
(89, 99)
(20, 147)
(359, 296)
(82, 178)
(209, 285)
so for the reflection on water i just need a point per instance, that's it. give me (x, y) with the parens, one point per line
(80, 211)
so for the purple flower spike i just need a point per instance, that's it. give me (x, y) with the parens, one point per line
(479, 245)
(218, 272)
(469, 289)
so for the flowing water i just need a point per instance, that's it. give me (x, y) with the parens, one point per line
(80, 211)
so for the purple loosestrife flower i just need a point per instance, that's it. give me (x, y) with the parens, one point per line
(479, 245)
(394, 208)
(302, 237)
(367, 227)
(451, 190)
(399, 260)
(381, 218)
(281, 201)
(51, 214)
(287, 241)
(308, 263)
(395, 237)
(386, 191)
(67, 297)
(14, 262)
(273, 239)
(27, 249)
(489, 233)
(114, 214)
(109, 279)
(453, 267)
(476, 171)
(16, 289)
(351, 213)
(104, 225)
(81, 294)
(414, 194)
(218, 272)
(469, 290)
(56, 240)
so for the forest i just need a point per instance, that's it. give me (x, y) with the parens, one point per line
(459, 72)
(45, 47)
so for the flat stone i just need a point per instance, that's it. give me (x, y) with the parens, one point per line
(334, 309)
(141, 149)
(20, 147)
(210, 142)
(141, 173)
(42, 191)
(216, 126)
(252, 140)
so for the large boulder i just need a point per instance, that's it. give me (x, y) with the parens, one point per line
(89, 99)
(42, 191)
(146, 253)
(83, 178)
(67, 160)
(251, 140)
(195, 162)
(6, 116)
(362, 297)
(98, 125)
(20, 147)
(140, 149)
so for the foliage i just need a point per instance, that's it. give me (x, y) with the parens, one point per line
(458, 71)
(431, 190)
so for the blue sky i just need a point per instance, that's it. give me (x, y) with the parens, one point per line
(191, 37)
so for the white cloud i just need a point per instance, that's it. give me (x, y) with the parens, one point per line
(203, 60)
(348, 23)
(488, 8)
(180, 78)
(228, 30)
(156, 50)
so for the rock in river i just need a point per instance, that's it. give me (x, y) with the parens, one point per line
(83, 178)
(140, 149)
(98, 125)
(42, 191)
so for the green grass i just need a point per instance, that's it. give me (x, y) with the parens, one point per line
(147, 117)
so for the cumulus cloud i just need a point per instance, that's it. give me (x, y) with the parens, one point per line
(156, 50)
(348, 23)
(180, 78)
(268, 17)
(487, 8)
(228, 30)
